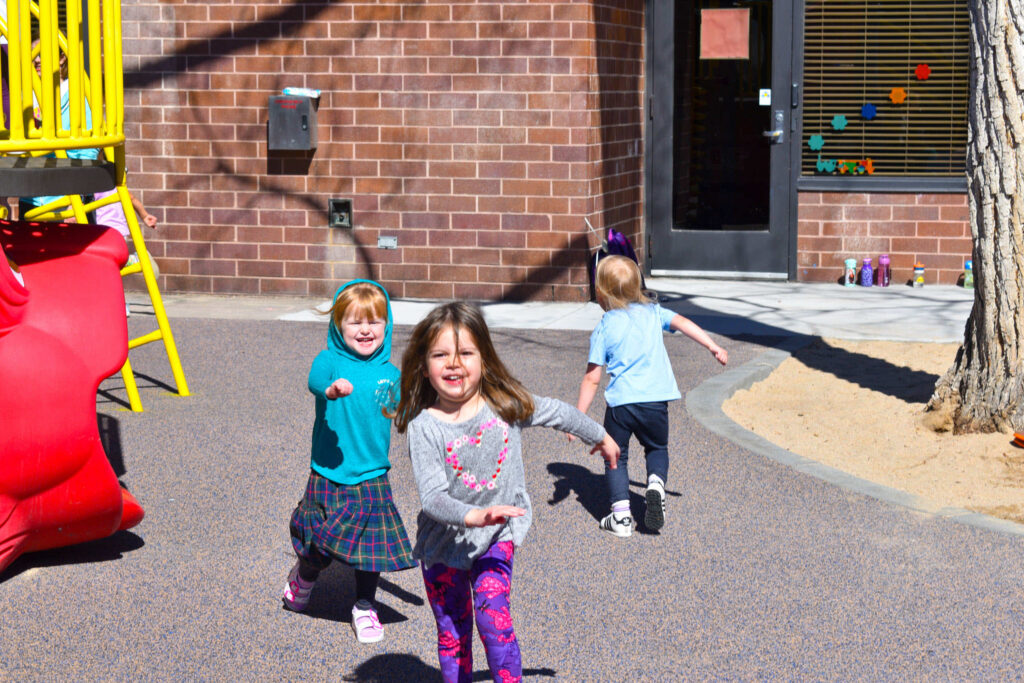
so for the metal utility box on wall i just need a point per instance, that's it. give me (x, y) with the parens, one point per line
(291, 123)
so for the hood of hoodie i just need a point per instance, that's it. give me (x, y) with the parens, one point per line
(336, 343)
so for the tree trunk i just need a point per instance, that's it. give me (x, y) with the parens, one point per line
(983, 390)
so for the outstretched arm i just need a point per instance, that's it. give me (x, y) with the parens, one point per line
(147, 218)
(588, 389)
(496, 514)
(694, 332)
(322, 384)
(609, 450)
(339, 387)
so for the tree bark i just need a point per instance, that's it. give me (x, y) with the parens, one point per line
(984, 388)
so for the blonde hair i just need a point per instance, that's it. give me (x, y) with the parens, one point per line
(363, 297)
(618, 282)
(504, 393)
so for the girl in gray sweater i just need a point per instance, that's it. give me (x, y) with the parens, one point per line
(464, 413)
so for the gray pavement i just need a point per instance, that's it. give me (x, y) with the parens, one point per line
(760, 572)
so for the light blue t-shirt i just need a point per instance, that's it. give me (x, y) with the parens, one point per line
(630, 343)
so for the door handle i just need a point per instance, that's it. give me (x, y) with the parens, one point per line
(776, 136)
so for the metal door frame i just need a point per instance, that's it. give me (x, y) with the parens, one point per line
(660, 20)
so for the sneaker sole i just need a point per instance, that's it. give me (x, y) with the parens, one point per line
(370, 639)
(292, 607)
(654, 517)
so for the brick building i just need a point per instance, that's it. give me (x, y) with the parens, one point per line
(480, 138)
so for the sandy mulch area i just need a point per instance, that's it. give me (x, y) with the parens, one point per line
(857, 406)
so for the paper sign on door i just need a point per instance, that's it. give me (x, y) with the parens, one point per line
(725, 34)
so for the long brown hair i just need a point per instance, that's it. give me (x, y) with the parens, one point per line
(504, 393)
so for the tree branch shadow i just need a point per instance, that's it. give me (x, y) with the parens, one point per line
(903, 383)
(906, 384)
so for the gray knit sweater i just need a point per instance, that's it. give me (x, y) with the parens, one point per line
(477, 463)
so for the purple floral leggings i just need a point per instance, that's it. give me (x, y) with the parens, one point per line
(451, 593)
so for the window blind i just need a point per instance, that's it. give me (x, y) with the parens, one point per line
(860, 52)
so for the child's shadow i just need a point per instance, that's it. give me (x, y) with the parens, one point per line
(592, 492)
(334, 594)
(403, 667)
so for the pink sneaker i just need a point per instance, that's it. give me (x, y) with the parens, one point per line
(366, 624)
(297, 590)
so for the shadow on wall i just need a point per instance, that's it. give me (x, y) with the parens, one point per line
(618, 54)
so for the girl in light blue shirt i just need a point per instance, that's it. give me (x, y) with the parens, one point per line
(629, 342)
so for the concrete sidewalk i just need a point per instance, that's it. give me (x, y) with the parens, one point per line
(934, 313)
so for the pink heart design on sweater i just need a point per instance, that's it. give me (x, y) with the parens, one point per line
(452, 455)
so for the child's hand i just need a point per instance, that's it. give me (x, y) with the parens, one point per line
(570, 437)
(608, 449)
(496, 514)
(720, 354)
(340, 387)
(150, 220)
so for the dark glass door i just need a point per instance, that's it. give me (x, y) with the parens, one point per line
(722, 125)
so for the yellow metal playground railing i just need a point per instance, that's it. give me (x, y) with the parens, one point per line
(62, 132)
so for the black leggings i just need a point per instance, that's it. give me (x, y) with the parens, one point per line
(366, 582)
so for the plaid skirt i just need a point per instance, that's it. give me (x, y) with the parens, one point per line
(356, 524)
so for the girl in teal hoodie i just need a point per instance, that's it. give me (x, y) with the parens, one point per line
(347, 512)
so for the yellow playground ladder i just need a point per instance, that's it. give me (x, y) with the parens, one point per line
(63, 87)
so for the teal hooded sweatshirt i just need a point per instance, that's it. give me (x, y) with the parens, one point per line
(351, 435)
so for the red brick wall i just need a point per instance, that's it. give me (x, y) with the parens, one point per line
(480, 134)
(930, 228)
(617, 128)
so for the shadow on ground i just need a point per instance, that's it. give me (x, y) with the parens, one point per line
(390, 668)
(104, 550)
(912, 386)
(906, 384)
(334, 595)
(590, 491)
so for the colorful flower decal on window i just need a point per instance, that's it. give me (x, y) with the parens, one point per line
(868, 112)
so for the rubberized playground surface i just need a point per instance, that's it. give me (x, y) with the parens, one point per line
(760, 571)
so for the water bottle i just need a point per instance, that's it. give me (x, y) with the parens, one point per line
(884, 272)
(968, 274)
(919, 274)
(866, 273)
(850, 273)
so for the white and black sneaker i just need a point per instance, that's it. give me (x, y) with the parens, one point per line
(619, 524)
(654, 517)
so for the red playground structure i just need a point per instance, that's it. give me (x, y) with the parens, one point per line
(61, 334)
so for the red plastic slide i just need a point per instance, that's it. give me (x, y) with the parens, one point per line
(60, 336)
